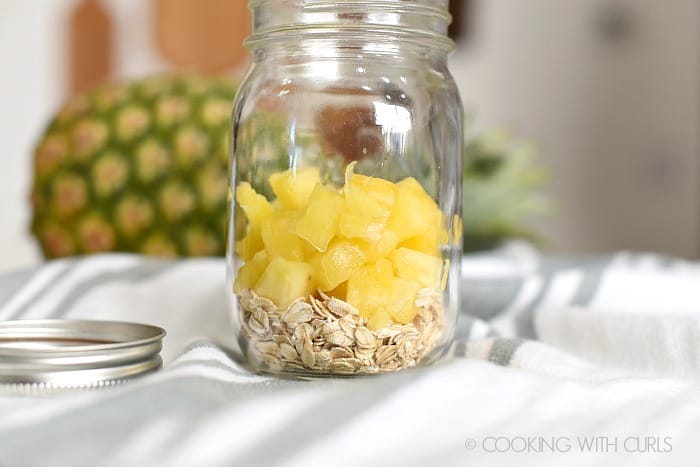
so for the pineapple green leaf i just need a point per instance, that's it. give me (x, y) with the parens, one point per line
(502, 183)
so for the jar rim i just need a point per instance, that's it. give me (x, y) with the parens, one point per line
(426, 18)
(439, 7)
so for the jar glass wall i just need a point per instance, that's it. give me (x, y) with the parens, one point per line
(345, 228)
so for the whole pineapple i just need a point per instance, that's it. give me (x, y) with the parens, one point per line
(139, 167)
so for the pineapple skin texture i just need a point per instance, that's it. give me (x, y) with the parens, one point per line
(136, 167)
(373, 243)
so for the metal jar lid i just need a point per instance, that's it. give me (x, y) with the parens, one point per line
(57, 354)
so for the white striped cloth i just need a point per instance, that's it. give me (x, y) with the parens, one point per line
(558, 361)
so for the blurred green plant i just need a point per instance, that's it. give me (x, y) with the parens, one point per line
(503, 179)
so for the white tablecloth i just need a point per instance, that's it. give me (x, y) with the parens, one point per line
(561, 361)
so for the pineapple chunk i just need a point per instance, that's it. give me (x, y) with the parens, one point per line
(418, 267)
(386, 244)
(320, 221)
(445, 274)
(249, 245)
(284, 281)
(309, 250)
(457, 228)
(378, 320)
(255, 206)
(414, 211)
(293, 187)
(249, 274)
(431, 240)
(382, 191)
(375, 246)
(368, 204)
(402, 301)
(369, 287)
(337, 264)
(279, 237)
(380, 296)
(340, 292)
(426, 243)
(364, 218)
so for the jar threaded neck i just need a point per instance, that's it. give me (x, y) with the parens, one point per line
(426, 20)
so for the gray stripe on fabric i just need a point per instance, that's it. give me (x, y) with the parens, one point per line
(459, 348)
(668, 262)
(593, 275)
(464, 327)
(502, 350)
(486, 299)
(10, 283)
(326, 416)
(137, 273)
(57, 279)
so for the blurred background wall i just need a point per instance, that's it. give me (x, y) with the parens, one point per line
(610, 89)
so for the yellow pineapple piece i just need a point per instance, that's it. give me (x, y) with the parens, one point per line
(340, 292)
(309, 250)
(249, 245)
(279, 237)
(380, 296)
(401, 303)
(381, 249)
(349, 172)
(363, 218)
(419, 267)
(378, 320)
(443, 235)
(382, 191)
(457, 228)
(445, 274)
(256, 207)
(384, 271)
(293, 187)
(249, 274)
(376, 244)
(368, 204)
(414, 211)
(369, 287)
(319, 223)
(284, 281)
(428, 243)
(337, 264)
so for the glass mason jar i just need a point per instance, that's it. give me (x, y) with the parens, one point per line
(344, 240)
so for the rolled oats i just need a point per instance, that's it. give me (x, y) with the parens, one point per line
(308, 356)
(297, 313)
(325, 335)
(341, 352)
(288, 352)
